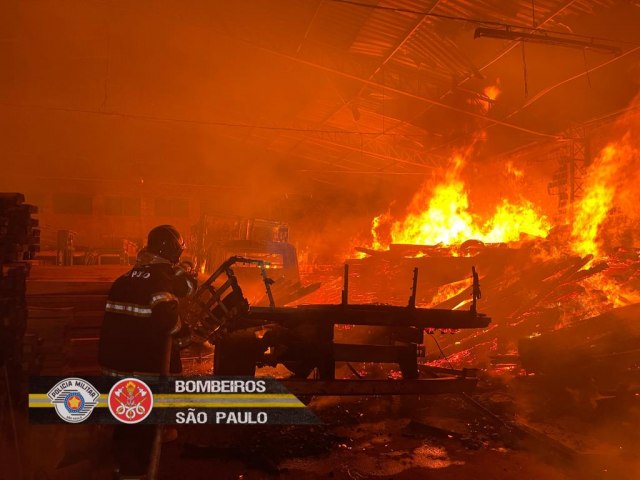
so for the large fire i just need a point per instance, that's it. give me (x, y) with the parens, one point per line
(441, 215)
(593, 255)
(604, 182)
(601, 218)
(550, 276)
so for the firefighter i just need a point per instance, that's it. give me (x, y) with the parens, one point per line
(141, 318)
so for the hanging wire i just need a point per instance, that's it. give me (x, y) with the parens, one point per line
(212, 123)
(586, 66)
(533, 13)
(524, 70)
(383, 95)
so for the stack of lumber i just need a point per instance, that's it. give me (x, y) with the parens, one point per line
(66, 306)
(19, 233)
(47, 329)
(604, 349)
(19, 238)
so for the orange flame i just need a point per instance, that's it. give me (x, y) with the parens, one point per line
(513, 170)
(618, 294)
(441, 216)
(610, 199)
(600, 189)
(491, 94)
(376, 223)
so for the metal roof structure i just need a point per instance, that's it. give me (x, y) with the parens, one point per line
(404, 84)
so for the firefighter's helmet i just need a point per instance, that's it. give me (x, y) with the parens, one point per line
(166, 241)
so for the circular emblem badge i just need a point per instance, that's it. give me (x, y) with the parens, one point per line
(74, 399)
(130, 400)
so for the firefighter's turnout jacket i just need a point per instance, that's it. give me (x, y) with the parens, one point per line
(141, 311)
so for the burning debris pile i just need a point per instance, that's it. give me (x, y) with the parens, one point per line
(525, 291)
(537, 276)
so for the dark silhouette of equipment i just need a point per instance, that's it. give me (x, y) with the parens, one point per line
(302, 338)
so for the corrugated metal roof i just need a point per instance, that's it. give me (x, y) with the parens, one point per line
(436, 52)
(336, 24)
(385, 29)
(519, 11)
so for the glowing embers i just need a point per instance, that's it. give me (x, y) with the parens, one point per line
(449, 291)
(441, 215)
(619, 291)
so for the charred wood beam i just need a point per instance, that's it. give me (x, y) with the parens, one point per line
(372, 315)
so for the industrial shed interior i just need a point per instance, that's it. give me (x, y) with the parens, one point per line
(473, 165)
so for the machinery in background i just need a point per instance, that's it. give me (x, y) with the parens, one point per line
(65, 244)
(215, 238)
(67, 251)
